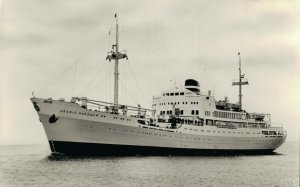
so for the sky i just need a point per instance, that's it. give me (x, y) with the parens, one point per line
(58, 48)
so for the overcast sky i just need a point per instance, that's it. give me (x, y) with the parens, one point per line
(58, 49)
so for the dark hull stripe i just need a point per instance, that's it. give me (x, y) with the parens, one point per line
(86, 149)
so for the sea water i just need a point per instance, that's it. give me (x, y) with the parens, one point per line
(30, 165)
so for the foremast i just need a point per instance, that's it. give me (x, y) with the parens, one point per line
(241, 82)
(115, 54)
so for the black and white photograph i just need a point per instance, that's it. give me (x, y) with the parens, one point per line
(149, 93)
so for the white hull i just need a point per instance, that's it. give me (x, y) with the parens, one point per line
(89, 128)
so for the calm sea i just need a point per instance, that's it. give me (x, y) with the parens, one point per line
(29, 165)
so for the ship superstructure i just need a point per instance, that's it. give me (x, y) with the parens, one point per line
(183, 120)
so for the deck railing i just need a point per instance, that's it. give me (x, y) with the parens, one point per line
(112, 108)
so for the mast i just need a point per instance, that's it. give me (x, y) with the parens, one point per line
(240, 83)
(116, 73)
(116, 55)
(240, 80)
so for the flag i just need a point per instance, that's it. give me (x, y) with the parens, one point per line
(115, 15)
(243, 76)
(239, 53)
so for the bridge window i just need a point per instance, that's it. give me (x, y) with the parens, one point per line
(167, 94)
(176, 93)
(181, 93)
(171, 94)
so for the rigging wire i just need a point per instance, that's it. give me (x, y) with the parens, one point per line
(77, 60)
(110, 80)
(93, 79)
(108, 46)
(130, 96)
(98, 72)
(126, 76)
(125, 70)
(55, 79)
(97, 84)
(106, 82)
(74, 77)
(109, 67)
(164, 59)
(134, 76)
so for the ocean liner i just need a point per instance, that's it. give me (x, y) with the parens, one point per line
(182, 121)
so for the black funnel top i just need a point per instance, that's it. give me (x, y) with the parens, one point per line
(192, 85)
(191, 82)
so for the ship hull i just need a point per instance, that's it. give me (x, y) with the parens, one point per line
(80, 137)
(96, 149)
(73, 130)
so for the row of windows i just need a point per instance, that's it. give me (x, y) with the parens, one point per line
(200, 122)
(229, 115)
(195, 139)
(173, 94)
(192, 122)
(122, 118)
(272, 133)
(89, 114)
(209, 131)
(80, 113)
(177, 103)
(229, 132)
(203, 131)
(169, 112)
(207, 113)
